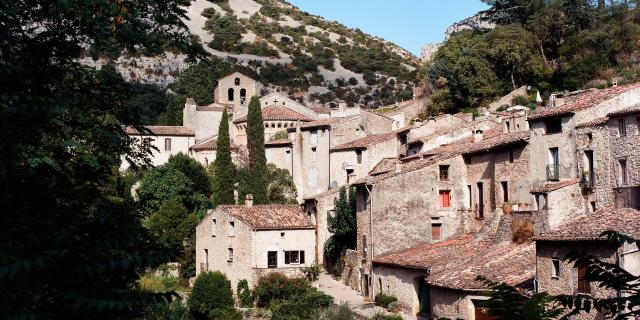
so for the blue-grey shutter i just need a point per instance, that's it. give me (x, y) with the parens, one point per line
(287, 259)
(301, 257)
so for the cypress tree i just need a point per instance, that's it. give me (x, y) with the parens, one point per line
(224, 169)
(256, 183)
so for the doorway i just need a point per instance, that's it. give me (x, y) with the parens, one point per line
(424, 298)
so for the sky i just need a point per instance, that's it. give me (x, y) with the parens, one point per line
(408, 23)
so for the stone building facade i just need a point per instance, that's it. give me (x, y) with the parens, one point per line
(164, 141)
(236, 90)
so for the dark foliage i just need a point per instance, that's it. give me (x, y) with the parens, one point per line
(342, 225)
(211, 293)
(224, 176)
(193, 170)
(244, 294)
(383, 300)
(255, 180)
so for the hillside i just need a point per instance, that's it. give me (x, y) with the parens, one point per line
(307, 57)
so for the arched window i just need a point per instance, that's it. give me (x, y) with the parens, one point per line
(167, 144)
(243, 96)
(237, 81)
(230, 94)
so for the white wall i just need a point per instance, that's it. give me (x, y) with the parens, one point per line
(179, 144)
(272, 240)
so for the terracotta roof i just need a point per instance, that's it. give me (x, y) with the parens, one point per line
(319, 123)
(277, 112)
(161, 131)
(270, 217)
(385, 165)
(629, 110)
(279, 142)
(553, 186)
(593, 123)
(365, 142)
(498, 141)
(455, 263)
(210, 144)
(590, 226)
(586, 100)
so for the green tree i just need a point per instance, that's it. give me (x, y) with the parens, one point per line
(193, 170)
(211, 292)
(172, 225)
(224, 176)
(71, 247)
(161, 184)
(255, 181)
(342, 224)
(281, 189)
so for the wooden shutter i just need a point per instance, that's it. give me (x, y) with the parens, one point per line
(287, 258)
(436, 231)
(301, 257)
(445, 198)
(583, 285)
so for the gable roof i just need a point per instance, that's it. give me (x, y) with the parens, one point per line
(365, 142)
(161, 131)
(455, 263)
(498, 141)
(270, 216)
(593, 123)
(589, 226)
(276, 112)
(279, 142)
(553, 186)
(586, 100)
(628, 110)
(210, 144)
(385, 165)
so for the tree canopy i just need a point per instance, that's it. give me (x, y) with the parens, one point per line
(224, 176)
(254, 180)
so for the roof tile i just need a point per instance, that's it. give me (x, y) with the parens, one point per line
(277, 112)
(270, 217)
(589, 226)
(161, 131)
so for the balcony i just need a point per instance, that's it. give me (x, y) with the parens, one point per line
(553, 172)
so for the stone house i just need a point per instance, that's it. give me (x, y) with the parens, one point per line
(236, 90)
(249, 241)
(556, 276)
(165, 141)
(418, 143)
(280, 153)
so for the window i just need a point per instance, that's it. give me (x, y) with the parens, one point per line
(314, 137)
(445, 198)
(555, 268)
(237, 81)
(623, 172)
(505, 191)
(230, 259)
(213, 227)
(593, 206)
(470, 196)
(359, 156)
(590, 137)
(282, 233)
(444, 173)
(243, 96)
(436, 230)
(313, 154)
(480, 211)
(232, 226)
(622, 128)
(272, 259)
(553, 125)
(511, 155)
(206, 261)
(294, 257)
(507, 128)
(553, 168)
(364, 245)
(349, 174)
(230, 94)
(583, 285)
(167, 144)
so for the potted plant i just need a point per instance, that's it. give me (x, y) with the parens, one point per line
(506, 208)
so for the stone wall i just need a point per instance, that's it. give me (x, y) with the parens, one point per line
(350, 274)
(402, 284)
(179, 144)
(204, 121)
(324, 205)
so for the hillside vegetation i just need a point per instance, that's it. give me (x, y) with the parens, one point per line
(548, 44)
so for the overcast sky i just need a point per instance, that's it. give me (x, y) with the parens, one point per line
(408, 23)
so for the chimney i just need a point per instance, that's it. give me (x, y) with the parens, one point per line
(249, 201)
(477, 136)
(398, 166)
(552, 100)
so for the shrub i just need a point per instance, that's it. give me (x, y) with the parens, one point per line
(277, 286)
(394, 306)
(312, 272)
(211, 291)
(308, 305)
(153, 283)
(380, 316)
(244, 294)
(383, 300)
(167, 311)
(340, 312)
(224, 314)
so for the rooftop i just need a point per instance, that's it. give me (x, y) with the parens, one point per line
(385, 165)
(589, 226)
(553, 186)
(277, 112)
(210, 144)
(593, 123)
(588, 99)
(161, 131)
(455, 263)
(212, 108)
(498, 141)
(279, 142)
(629, 110)
(270, 217)
(366, 142)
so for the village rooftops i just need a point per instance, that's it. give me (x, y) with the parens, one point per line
(365, 142)
(456, 263)
(586, 100)
(589, 227)
(161, 131)
(269, 217)
(553, 186)
(277, 112)
(210, 144)
(499, 141)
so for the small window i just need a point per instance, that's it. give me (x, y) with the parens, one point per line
(505, 191)
(553, 125)
(230, 255)
(213, 227)
(436, 230)
(294, 257)
(622, 127)
(623, 172)
(555, 268)
(590, 137)
(469, 193)
(281, 234)
(237, 81)
(445, 198)
(232, 226)
(364, 245)
(314, 155)
(359, 156)
(593, 206)
(511, 155)
(349, 175)
(583, 285)
(314, 137)
(272, 259)
(230, 94)
(167, 144)
(444, 173)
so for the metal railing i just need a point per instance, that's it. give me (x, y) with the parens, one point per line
(553, 172)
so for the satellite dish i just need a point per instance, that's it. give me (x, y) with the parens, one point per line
(333, 184)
